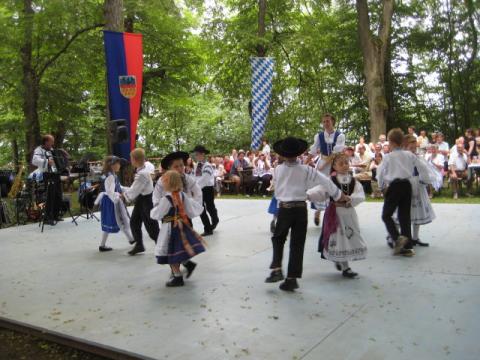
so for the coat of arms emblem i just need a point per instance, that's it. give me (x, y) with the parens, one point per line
(128, 85)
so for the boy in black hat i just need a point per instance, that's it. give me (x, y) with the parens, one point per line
(292, 180)
(205, 177)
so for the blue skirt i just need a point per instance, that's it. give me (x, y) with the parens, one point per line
(273, 207)
(107, 215)
(176, 251)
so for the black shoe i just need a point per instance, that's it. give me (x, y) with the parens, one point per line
(175, 281)
(136, 249)
(190, 266)
(214, 224)
(349, 274)
(133, 241)
(104, 248)
(390, 242)
(420, 243)
(207, 233)
(275, 276)
(273, 224)
(338, 266)
(289, 285)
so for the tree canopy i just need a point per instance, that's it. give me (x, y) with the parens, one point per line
(197, 71)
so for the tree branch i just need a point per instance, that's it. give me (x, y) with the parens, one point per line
(364, 29)
(64, 49)
(385, 27)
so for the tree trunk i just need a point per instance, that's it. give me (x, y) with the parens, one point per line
(30, 85)
(389, 90)
(374, 51)
(113, 12)
(262, 12)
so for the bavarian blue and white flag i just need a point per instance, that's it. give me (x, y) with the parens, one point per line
(262, 79)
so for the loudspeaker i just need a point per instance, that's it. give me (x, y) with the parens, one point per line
(119, 131)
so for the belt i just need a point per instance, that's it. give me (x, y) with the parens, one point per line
(292, 204)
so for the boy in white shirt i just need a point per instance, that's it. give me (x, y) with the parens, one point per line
(393, 174)
(141, 191)
(291, 181)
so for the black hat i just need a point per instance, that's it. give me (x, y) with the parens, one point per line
(290, 147)
(167, 160)
(200, 149)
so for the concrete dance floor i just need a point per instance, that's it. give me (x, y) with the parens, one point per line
(426, 307)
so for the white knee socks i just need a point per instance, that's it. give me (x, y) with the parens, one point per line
(415, 231)
(104, 238)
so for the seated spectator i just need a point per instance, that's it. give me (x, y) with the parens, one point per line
(373, 169)
(263, 173)
(377, 149)
(266, 148)
(363, 168)
(238, 167)
(422, 143)
(385, 148)
(411, 131)
(443, 149)
(382, 139)
(189, 166)
(362, 143)
(227, 164)
(219, 173)
(458, 169)
(435, 158)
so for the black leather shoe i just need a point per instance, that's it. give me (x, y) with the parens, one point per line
(289, 285)
(136, 249)
(190, 266)
(104, 248)
(338, 266)
(214, 224)
(175, 281)
(207, 233)
(420, 243)
(349, 274)
(275, 276)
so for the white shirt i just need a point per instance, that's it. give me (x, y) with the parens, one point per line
(443, 147)
(266, 150)
(329, 140)
(207, 176)
(142, 185)
(292, 180)
(192, 190)
(40, 159)
(260, 169)
(460, 162)
(400, 164)
(150, 167)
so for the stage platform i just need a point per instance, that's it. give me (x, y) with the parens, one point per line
(426, 307)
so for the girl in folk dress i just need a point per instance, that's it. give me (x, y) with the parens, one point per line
(114, 216)
(177, 241)
(341, 240)
(421, 212)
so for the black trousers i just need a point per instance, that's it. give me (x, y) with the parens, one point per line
(398, 196)
(209, 207)
(295, 220)
(266, 180)
(141, 214)
(54, 196)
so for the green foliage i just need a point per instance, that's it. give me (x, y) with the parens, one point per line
(197, 71)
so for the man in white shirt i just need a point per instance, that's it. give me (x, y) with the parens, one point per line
(205, 177)
(458, 168)
(43, 160)
(141, 191)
